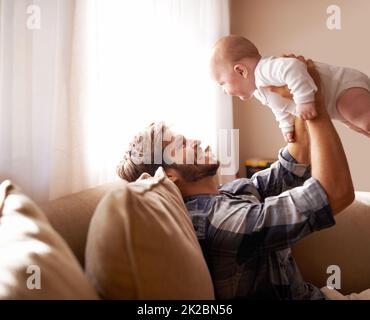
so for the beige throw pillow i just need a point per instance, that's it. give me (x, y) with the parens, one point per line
(141, 244)
(35, 262)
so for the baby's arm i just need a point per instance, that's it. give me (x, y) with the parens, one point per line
(286, 124)
(292, 72)
(282, 108)
(302, 86)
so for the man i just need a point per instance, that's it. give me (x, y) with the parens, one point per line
(246, 227)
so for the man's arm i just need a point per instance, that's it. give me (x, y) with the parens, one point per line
(285, 174)
(276, 223)
(300, 149)
(329, 163)
(292, 169)
(328, 160)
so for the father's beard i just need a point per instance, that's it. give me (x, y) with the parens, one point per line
(195, 172)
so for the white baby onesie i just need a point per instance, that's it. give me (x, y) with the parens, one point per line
(278, 71)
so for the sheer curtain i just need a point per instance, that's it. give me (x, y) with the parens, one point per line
(35, 57)
(75, 91)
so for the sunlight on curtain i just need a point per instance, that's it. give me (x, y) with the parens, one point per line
(74, 91)
(150, 59)
(34, 90)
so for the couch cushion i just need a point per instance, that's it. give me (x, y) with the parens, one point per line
(71, 215)
(142, 245)
(345, 245)
(35, 261)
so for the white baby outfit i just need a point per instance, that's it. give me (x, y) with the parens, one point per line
(277, 71)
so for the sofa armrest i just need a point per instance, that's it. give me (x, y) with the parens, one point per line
(346, 245)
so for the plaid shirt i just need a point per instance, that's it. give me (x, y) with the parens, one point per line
(247, 230)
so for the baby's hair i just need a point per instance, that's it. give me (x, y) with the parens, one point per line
(233, 48)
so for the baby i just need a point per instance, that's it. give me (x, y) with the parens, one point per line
(238, 67)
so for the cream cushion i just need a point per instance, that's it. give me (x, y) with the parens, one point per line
(345, 245)
(33, 255)
(141, 244)
(333, 294)
(70, 215)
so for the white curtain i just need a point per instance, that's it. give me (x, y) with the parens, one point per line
(35, 57)
(74, 91)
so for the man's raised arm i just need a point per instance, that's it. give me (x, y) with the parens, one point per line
(328, 160)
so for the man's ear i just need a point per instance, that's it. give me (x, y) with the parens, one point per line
(241, 69)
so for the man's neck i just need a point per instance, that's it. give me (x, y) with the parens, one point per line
(207, 185)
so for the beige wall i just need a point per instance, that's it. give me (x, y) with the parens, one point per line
(298, 26)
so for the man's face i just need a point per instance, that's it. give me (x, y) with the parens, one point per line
(189, 158)
(232, 82)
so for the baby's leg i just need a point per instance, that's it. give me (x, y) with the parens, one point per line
(357, 129)
(354, 106)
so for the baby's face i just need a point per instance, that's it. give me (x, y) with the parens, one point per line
(233, 83)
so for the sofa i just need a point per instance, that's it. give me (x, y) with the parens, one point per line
(345, 245)
(128, 241)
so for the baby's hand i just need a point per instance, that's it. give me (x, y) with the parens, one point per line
(289, 136)
(306, 111)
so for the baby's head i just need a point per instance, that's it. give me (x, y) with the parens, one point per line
(233, 61)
